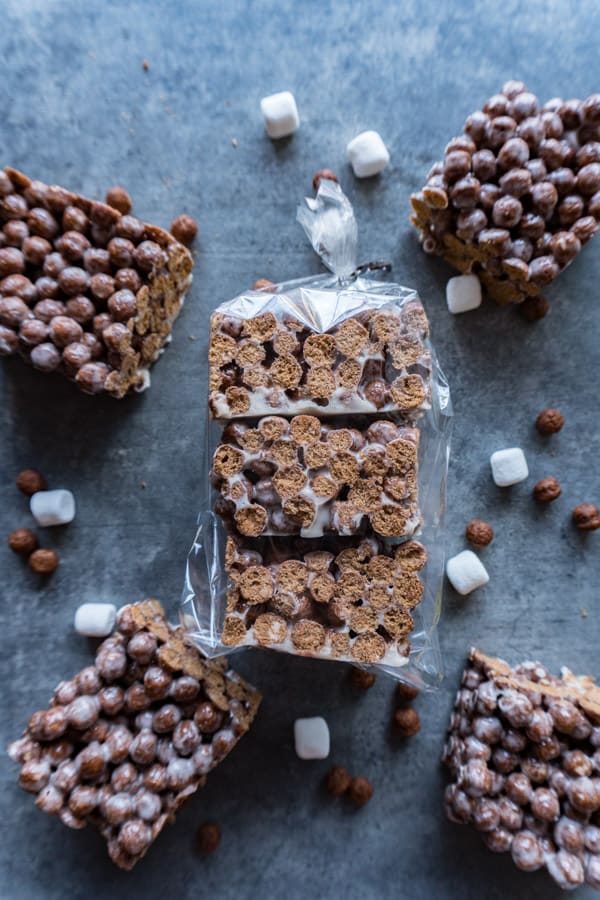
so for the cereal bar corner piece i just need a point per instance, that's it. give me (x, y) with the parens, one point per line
(273, 363)
(337, 598)
(305, 477)
(84, 290)
(517, 194)
(523, 752)
(127, 740)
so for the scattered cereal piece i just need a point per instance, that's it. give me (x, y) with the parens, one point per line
(311, 738)
(586, 517)
(118, 198)
(337, 781)
(326, 174)
(208, 837)
(262, 284)
(360, 791)
(367, 154)
(184, 229)
(30, 481)
(44, 562)
(546, 490)
(407, 721)
(584, 613)
(23, 541)
(145, 65)
(95, 619)
(361, 678)
(479, 533)
(509, 466)
(53, 507)
(534, 308)
(463, 293)
(549, 421)
(466, 572)
(280, 114)
(406, 692)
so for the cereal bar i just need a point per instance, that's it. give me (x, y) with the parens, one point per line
(85, 290)
(127, 740)
(523, 751)
(517, 195)
(374, 361)
(308, 478)
(335, 598)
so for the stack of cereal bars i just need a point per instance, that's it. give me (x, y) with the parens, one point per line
(317, 472)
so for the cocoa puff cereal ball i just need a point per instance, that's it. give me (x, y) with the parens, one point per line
(360, 791)
(208, 838)
(43, 562)
(184, 229)
(337, 781)
(119, 199)
(22, 541)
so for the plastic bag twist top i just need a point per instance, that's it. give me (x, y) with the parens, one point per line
(329, 222)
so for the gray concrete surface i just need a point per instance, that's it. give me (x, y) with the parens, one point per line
(78, 109)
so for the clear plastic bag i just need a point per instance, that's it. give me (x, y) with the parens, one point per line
(321, 530)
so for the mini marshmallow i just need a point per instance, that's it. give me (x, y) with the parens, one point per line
(368, 154)
(280, 114)
(466, 572)
(52, 507)
(311, 737)
(95, 619)
(463, 293)
(509, 466)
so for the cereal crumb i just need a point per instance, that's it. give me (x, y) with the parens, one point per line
(208, 837)
(145, 65)
(584, 613)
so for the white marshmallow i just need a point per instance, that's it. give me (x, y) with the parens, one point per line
(311, 737)
(53, 507)
(368, 154)
(463, 293)
(280, 114)
(95, 619)
(509, 466)
(466, 572)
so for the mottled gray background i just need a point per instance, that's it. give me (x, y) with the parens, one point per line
(78, 109)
